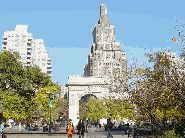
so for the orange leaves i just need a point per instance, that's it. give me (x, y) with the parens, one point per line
(173, 39)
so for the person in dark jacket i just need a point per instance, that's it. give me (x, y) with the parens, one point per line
(45, 128)
(81, 128)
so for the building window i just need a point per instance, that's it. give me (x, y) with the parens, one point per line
(23, 36)
(17, 49)
(23, 58)
(17, 35)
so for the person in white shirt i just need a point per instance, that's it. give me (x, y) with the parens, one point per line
(1, 127)
(19, 127)
(10, 125)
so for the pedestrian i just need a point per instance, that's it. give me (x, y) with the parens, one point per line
(10, 125)
(19, 127)
(45, 128)
(70, 129)
(25, 127)
(1, 130)
(81, 129)
(56, 127)
(1, 127)
(29, 127)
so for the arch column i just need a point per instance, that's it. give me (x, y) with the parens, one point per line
(73, 107)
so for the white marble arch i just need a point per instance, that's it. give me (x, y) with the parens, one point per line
(79, 86)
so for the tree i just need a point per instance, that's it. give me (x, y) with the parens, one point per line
(119, 108)
(62, 109)
(41, 102)
(36, 80)
(21, 81)
(11, 71)
(83, 109)
(14, 105)
(181, 39)
(156, 93)
(96, 110)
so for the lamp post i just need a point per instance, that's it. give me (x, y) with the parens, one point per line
(51, 96)
(86, 124)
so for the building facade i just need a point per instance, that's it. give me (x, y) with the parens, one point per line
(32, 51)
(106, 65)
(176, 64)
(106, 57)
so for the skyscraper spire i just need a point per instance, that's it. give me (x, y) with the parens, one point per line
(103, 9)
(103, 15)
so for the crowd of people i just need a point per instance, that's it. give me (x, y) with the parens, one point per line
(29, 126)
(70, 127)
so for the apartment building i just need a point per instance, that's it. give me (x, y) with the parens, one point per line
(32, 51)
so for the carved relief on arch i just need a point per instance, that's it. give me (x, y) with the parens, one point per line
(79, 88)
(79, 96)
(72, 99)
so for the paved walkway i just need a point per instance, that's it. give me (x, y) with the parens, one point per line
(91, 134)
(60, 136)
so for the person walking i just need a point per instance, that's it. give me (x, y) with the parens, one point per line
(45, 128)
(81, 129)
(70, 129)
(1, 130)
(25, 127)
(19, 127)
(10, 125)
(1, 127)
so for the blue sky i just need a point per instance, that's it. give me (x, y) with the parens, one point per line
(66, 27)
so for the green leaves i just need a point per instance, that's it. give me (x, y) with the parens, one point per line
(13, 105)
(96, 110)
(41, 101)
(110, 108)
(19, 85)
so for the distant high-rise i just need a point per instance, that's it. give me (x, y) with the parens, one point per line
(176, 64)
(32, 51)
(106, 57)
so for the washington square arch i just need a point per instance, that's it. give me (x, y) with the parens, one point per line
(105, 63)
